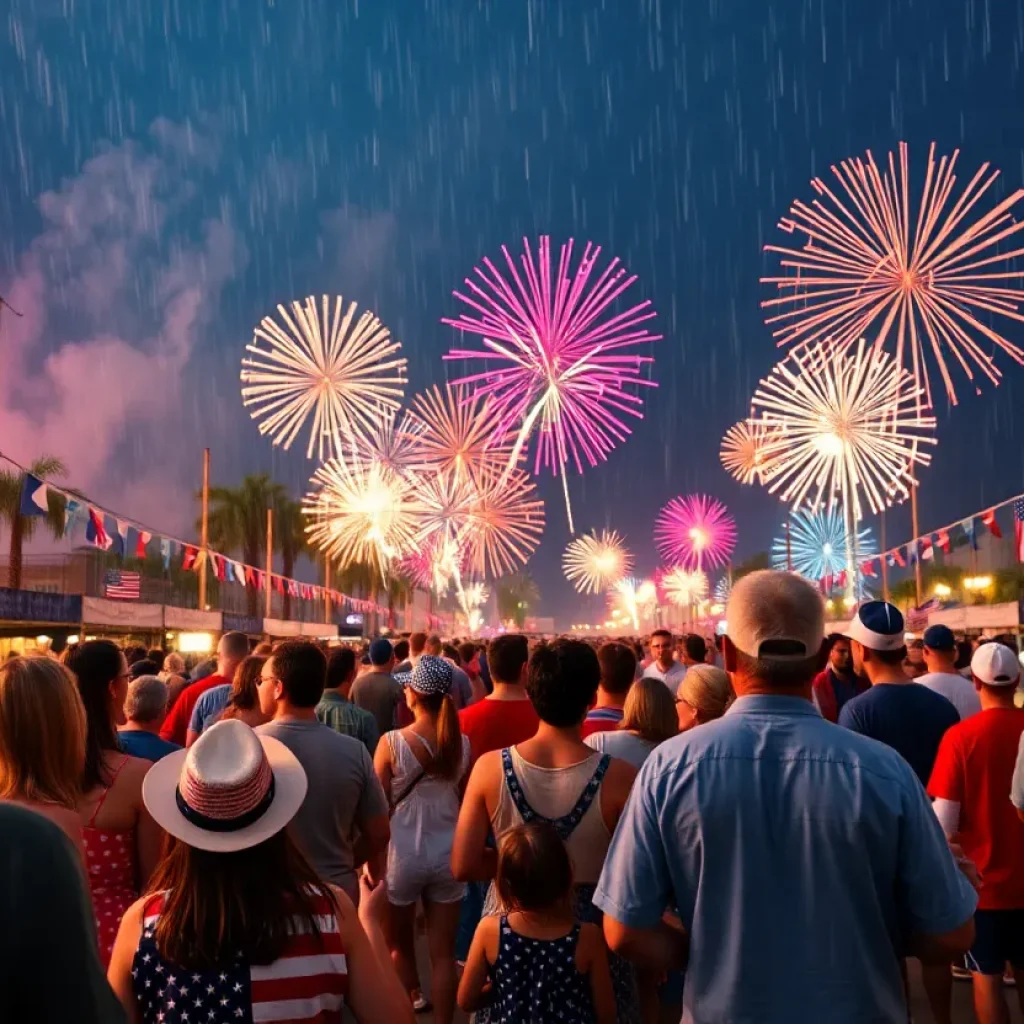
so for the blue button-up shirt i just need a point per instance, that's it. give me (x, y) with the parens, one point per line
(800, 857)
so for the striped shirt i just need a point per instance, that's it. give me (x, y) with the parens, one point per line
(306, 985)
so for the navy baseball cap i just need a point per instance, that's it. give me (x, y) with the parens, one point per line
(878, 625)
(939, 638)
(381, 651)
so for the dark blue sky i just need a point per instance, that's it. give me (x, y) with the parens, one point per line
(171, 170)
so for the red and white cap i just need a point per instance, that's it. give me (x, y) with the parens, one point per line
(995, 665)
(229, 791)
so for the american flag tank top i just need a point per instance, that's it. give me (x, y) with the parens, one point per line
(306, 985)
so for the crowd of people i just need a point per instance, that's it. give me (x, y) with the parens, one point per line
(760, 828)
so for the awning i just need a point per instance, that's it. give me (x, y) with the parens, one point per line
(319, 630)
(282, 627)
(99, 611)
(192, 619)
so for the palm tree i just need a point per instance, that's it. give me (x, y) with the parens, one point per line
(289, 539)
(515, 595)
(23, 527)
(238, 523)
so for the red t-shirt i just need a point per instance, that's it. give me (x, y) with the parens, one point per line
(974, 767)
(495, 724)
(175, 727)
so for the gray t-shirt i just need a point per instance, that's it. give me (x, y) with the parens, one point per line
(343, 795)
(379, 693)
(958, 691)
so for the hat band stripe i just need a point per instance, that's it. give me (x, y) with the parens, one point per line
(209, 824)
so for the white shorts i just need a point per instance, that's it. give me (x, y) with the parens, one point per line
(409, 879)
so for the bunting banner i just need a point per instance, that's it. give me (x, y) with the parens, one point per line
(165, 553)
(191, 558)
(72, 513)
(911, 553)
(927, 549)
(867, 568)
(142, 540)
(95, 532)
(989, 519)
(34, 497)
(967, 525)
(895, 558)
(121, 544)
(943, 541)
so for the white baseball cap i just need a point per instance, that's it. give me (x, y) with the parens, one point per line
(995, 665)
(878, 625)
(775, 616)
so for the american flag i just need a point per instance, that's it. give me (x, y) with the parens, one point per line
(123, 585)
(1018, 528)
(306, 985)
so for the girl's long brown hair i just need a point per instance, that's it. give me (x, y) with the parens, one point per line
(42, 732)
(217, 905)
(243, 687)
(448, 759)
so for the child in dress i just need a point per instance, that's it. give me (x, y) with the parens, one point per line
(535, 963)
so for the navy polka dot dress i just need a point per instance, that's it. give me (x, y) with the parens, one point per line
(536, 981)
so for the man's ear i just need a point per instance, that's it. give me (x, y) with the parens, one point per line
(729, 652)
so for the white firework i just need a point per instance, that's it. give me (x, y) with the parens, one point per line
(321, 365)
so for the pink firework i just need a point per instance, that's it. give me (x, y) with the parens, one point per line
(696, 532)
(563, 370)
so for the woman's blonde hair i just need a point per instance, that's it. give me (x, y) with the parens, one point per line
(650, 711)
(708, 690)
(42, 732)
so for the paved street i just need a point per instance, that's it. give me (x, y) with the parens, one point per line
(963, 1012)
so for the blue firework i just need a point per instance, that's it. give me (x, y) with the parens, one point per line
(818, 545)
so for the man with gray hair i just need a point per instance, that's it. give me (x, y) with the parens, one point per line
(145, 707)
(804, 860)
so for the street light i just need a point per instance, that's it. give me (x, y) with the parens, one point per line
(943, 589)
(977, 582)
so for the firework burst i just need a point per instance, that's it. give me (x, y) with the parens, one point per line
(595, 562)
(696, 532)
(390, 442)
(322, 366)
(505, 523)
(635, 597)
(563, 370)
(917, 272)
(362, 514)
(683, 587)
(458, 432)
(742, 450)
(817, 544)
(849, 426)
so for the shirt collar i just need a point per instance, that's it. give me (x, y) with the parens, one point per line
(762, 704)
(332, 696)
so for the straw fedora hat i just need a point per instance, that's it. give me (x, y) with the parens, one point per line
(229, 791)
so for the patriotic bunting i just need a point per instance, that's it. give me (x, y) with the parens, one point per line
(989, 519)
(34, 498)
(95, 532)
(142, 539)
(927, 549)
(943, 541)
(867, 568)
(967, 525)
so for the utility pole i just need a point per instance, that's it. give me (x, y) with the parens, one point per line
(205, 537)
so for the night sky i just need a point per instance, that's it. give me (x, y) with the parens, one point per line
(170, 171)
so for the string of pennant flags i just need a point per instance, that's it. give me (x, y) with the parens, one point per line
(924, 548)
(127, 538)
